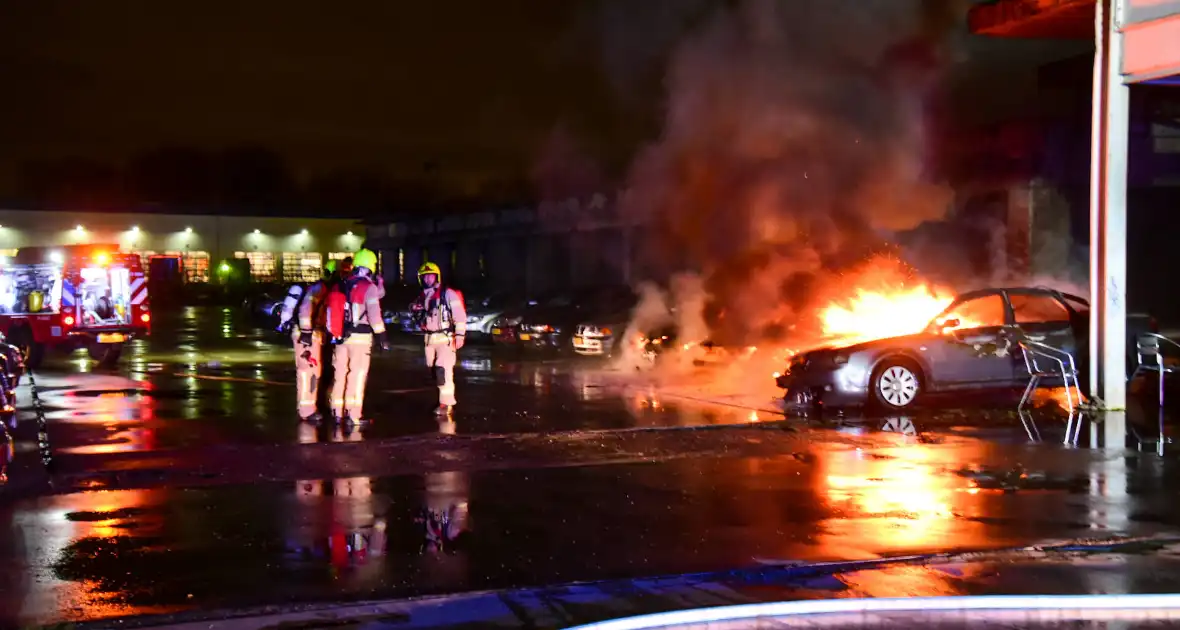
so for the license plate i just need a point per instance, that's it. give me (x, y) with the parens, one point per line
(111, 338)
(525, 336)
(495, 331)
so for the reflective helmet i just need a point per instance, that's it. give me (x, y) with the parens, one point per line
(428, 268)
(365, 258)
(330, 268)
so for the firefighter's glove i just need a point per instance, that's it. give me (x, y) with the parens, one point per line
(383, 342)
(305, 338)
(459, 341)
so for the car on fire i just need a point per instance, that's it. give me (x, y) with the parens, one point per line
(972, 345)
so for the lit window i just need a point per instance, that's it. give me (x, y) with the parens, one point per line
(339, 255)
(401, 264)
(196, 266)
(262, 265)
(302, 266)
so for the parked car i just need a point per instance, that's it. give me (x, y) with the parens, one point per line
(553, 327)
(396, 303)
(973, 344)
(264, 301)
(506, 328)
(483, 312)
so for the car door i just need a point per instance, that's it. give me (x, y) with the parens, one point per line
(969, 350)
(1042, 317)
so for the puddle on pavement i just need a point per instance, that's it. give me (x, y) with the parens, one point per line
(350, 537)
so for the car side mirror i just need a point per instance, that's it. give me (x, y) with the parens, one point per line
(949, 324)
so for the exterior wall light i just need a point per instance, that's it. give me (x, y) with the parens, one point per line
(188, 230)
(135, 228)
(257, 231)
(349, 233)
(303, 231)
(79, 228)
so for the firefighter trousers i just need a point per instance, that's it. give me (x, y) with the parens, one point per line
(441, 357)
(350, 363)
(309, 369)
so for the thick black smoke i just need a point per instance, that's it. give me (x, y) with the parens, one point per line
(793, 148)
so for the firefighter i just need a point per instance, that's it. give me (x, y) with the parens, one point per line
(442, 316)
(309, 345)
(353, 320)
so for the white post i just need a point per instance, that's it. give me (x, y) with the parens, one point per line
(1108, 212)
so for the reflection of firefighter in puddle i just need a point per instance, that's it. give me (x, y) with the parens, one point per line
(344, 528)
(444, 525)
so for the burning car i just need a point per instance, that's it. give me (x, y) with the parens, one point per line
(973, 344)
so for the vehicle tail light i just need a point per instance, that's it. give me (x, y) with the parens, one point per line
(145, 318)
(68, 320)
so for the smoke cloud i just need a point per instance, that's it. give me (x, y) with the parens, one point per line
(793, 149)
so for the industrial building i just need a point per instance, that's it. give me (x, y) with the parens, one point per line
(531, 248)
(278, 249)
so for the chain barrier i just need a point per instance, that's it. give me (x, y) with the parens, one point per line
(42, 423)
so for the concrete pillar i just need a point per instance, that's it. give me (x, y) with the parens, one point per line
(1108, 211)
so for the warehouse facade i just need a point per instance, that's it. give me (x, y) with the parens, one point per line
(277, 249)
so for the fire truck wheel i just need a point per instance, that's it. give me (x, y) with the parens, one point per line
(106, 354)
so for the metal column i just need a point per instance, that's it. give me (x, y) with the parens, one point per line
(1108, 210)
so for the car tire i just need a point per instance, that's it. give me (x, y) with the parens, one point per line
(897, 384)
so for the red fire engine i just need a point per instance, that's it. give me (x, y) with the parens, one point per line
(83, 295)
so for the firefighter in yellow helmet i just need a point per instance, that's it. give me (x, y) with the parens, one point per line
(442, 317)
(353, 321)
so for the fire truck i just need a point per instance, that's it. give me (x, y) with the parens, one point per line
(90, 296)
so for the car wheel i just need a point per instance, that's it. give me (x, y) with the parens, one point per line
(896, 384)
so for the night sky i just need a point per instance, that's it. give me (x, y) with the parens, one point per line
(467, 91)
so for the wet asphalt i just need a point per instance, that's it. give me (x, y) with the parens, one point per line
(182, 481)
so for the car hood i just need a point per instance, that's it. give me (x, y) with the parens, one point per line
(874, 344)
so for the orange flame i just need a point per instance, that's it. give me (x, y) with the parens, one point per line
(877, 314)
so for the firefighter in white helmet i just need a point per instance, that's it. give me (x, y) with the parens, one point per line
(442, 317)
(308, 339)
(353, 321)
